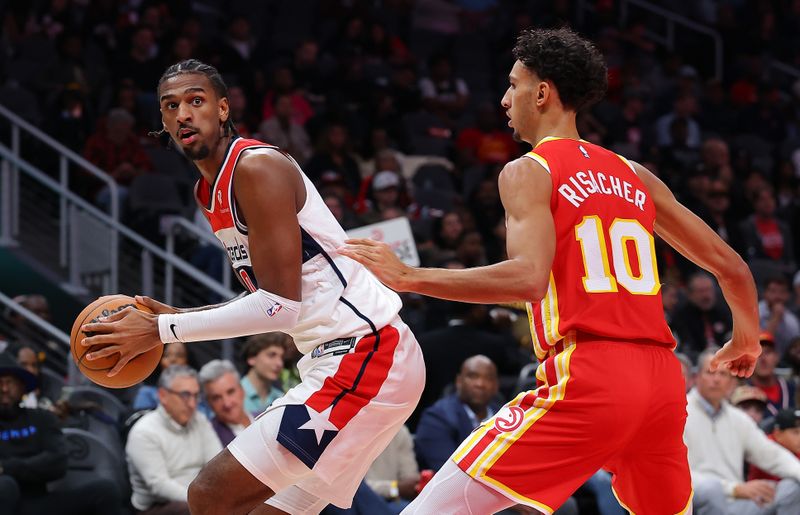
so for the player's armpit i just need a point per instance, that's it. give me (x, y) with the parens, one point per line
(269, 192)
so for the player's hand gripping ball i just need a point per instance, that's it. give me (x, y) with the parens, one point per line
(97, 370)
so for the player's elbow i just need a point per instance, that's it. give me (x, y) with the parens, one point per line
(531, 289)
(731, 268)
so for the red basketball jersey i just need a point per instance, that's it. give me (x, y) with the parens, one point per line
(604, 280)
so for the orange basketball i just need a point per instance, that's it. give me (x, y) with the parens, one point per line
(97, 370)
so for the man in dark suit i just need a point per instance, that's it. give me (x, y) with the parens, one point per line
(465, 336)
(450, 420)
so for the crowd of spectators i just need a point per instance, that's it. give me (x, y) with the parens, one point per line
(392, 109)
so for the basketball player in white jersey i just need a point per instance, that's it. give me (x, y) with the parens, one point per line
(362, 370)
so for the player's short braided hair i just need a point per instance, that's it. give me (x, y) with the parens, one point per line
(214, 77)
(572, 63)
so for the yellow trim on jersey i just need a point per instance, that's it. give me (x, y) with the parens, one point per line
(616, 496)
(627, 163)
(540, 406)
(686, 509)
(481, 430)
(539, 159)
(521, 499)
(554, 138)
(550, 316)
(537, 345)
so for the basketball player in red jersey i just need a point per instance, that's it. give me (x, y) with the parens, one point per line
(581, 221)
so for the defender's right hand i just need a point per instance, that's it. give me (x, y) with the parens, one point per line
(159, 308)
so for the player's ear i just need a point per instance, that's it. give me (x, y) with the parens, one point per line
(542, 93)
(224, 110)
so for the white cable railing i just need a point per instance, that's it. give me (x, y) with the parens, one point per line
(671, 19)
(90, 232)
(11, 208)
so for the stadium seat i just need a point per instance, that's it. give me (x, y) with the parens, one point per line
(89, 458)
(110, 405)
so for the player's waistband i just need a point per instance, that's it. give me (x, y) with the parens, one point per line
(575, 337)
(335, 347)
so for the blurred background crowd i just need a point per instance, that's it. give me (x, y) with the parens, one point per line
(392, 109)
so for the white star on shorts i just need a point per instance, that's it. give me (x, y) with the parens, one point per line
(319, 422)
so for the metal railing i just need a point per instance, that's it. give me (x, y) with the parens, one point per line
(179, 226)
(43, 336)
(671, 20)
(9, 229)
(98, 243)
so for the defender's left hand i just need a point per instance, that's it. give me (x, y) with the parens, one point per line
(129, 332)
(380, 260)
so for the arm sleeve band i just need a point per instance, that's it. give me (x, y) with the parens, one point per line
(258, 312)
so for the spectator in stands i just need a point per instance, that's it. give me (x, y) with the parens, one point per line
(702, 322)
(384, 192)
(687, 370)
(684, 108)
(141, 63)
(775, 316)
(283, 84)
(466, 335)
(717, 203)
(167, 447)
(344, 215)
(394, 475)
(765, 236)
(46, 392)
(719, 439)
(448, 422)
(792, 358)
(242, 117)
(22, 330)
(796, 286)
(147, 395)
(33, 452)
(752, 400)
(442, 92)
(781, 393)
(785, 432)
(334, 155)
(225, 396)
(264, 356)
(116, 150)
(283, 131)
(485, 140)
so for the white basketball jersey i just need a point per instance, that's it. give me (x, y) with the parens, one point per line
(340, 298)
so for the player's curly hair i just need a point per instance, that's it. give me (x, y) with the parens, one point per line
(573, 64)
(214, 77)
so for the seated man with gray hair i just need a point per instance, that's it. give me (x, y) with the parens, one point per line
(225, 396)
(720, 439)
(167, 447)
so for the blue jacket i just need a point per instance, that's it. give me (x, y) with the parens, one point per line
(441, 429)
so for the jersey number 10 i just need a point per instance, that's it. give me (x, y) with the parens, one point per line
(598, 278)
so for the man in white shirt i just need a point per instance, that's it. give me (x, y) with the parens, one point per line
(720, 438)
(167, 447)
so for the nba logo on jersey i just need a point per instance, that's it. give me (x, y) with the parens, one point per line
(219, 196)
(583, 151)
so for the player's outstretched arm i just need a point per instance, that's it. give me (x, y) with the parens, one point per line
(690, 236)
(268, 191)
(530, 241)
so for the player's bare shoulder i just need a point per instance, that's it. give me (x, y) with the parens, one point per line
(524, 177)
(270, 171)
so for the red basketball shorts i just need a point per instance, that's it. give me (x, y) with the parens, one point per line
(598, 404)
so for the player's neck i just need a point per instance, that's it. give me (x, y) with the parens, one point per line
(561, 126)
(210, 166)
